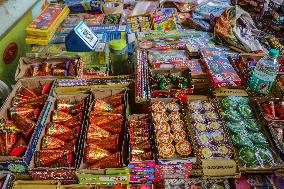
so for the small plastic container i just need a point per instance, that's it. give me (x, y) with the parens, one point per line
(119, 57)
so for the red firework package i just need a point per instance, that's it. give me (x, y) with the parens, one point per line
(272, 109)
(59, 138)
(106, 123)
(139, 132)
(19, 116)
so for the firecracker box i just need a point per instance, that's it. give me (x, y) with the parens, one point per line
(20, 164)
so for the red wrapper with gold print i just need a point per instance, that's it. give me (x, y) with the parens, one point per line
(51, 143)
(46, 158)
(8, 139)
(73, 134)
(95, 153)
(29, 103)
(115, 100)
(62, 132)
(30, 113)
(19, 148)
(142, 157)
(27, 92)
(62, 117)
(95, 133)
(71, 108)
(24, 124)
(104, 119)
(101, 106)
(111, 161)
(109, 143)
(114, 127)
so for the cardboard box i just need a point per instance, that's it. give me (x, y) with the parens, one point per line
(25, 63)
(109, 175)
(20, 164)
(66, 174)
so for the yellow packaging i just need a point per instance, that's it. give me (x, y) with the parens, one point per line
(51, 26)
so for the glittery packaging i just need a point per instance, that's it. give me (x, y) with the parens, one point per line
(253, 148)
(140, 143)
(103, 143)
(19, 121)
(59, 140)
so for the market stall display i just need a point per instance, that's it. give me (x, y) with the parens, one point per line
(124, 94)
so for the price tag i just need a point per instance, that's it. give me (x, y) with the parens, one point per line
(219, 167)
(86, 34)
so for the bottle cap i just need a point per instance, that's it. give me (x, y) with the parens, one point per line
(117, 44)
(274, 53)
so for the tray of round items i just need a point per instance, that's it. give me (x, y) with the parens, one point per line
(58, 151)
(103, 160)
(21, 120)
(214, 149)
(174, 149)
(254, 150)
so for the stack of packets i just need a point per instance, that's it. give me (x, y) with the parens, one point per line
(220, 70)
(53, 67)
(19, 125)
(170, 130)
(164, 19)
(41, 30)
(104, 135)
(254, 150)
(174, 150)
(82, 6)
(211, 139)
(273, 115)
(58, 146)
(72, 21)
(142, 165)
(139, 23)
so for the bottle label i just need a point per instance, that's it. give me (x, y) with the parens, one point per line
(261, 83)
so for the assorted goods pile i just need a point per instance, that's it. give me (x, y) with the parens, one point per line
(148, 94)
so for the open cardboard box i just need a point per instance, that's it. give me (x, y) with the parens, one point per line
(109, 175)
(20, 164)
(25, 63)
(213, 167)
(266, 168)
(60, 173)
(175, 166)
(172, 88)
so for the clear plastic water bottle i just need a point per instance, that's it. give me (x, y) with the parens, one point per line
(265, 73)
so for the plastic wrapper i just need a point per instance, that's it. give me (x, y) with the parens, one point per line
(210, 137)
(58, 144)
(140, 141)
(166, 83)
(165, 19)
(18, 126)
(172, 143)
(253, 149)
(103, 143)
(271, 109)
(220, 70)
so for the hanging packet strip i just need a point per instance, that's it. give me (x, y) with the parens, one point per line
(86, 34)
